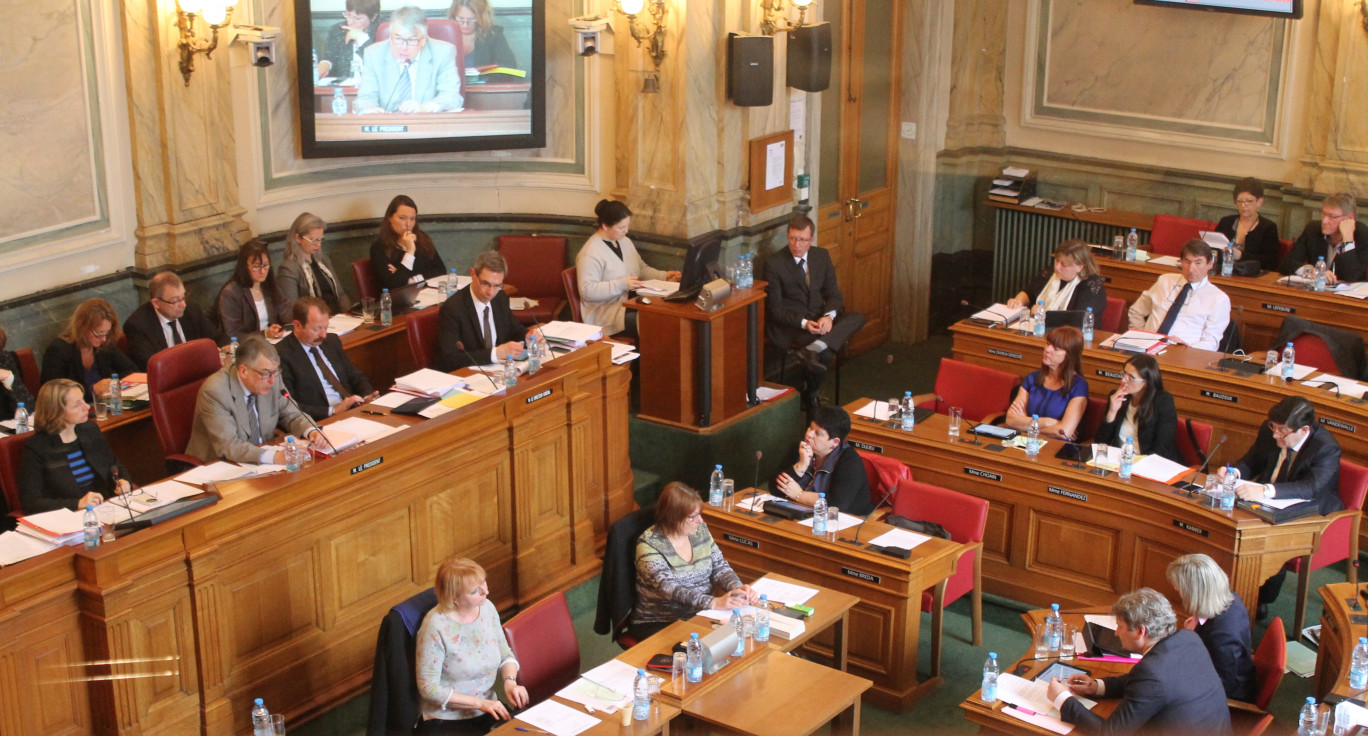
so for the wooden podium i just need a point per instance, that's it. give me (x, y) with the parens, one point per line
(700, 369)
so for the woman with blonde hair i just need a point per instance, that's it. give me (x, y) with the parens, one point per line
(1073, 283)
(87, 351)
(482, 40)
(66, 462)
(306, 269)
(462, 654)
(1219, 617)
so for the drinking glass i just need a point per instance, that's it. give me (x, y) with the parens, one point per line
(1213, 486)
(894, 408)
(101, 410)
(956, 417)
(1119, 247)
(1066, 645)
(1322, 719)
(833, 521)
(1042, 642)
(1271, 359)
(728, 494)
(677, 668)
(369, 310)
(278, 724)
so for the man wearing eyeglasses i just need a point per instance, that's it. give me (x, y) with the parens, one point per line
(240, 407)
(409, 72)
(1292, 457)
(477, 324)
(1336, 238)
(168, 319)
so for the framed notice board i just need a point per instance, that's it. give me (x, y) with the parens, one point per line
(771, 171)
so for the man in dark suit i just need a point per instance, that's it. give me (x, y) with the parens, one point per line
(476, 324)
(1292, 457)
(167, 320)
(1338, 238)
(804, 308)
(315, 368)
(1173, 690)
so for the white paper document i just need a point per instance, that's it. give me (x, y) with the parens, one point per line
(1347, 386)
(1016, 172)
(765, 393)
(1049, 723)
(1348, 715)
(58, 522)
(1136, 341)
(1282, 503)
(1164, 260)
(594, 695)
(845, 522)
(658, 287)
(215, 472)
(1000, 314)
(1030, 694)
(1214, 239)
(517, 303)
(352, 431)
(899, 538)
(782, 592)
(754, 503)
(1158, 467)
(561, 720)
(159, 494)
(428, 298)
(1106, 621)
(428, 382)
(392, 400)
(16, 547)
(341, 324)
(615, 675)
(879, 411)
(571, 333)
(1299, 371)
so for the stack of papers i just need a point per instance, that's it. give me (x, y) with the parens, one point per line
(214, 473)
(1349, 714)
(574, 334)
(428, 298)
(427, 382)
(656, 287)
(560, 720)
(999, 314)
(1159, 468)
(16, 547)
(57, 527)
(392, 400)
(754, 503)
(159, 494)
(341, 324)
(352, 431)
(623, 353)
(1164, 260)
(1031, 695)
(781, 592)
(1137, 341)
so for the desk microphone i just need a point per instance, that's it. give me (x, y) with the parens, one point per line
(1188, 484)
(1331, 384)
(114, 474)
(285, 393)
(860, 527)
(1077, 462)
(755, 487)
(1235, 331)
(1002, 319)
(476, 365)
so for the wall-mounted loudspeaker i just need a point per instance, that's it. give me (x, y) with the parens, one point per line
(809, 57)
(750, 70)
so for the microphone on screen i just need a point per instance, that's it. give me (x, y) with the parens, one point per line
(286, 394)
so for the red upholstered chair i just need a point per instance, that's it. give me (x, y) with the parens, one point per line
(29, 366)
(1284, 247)
(1168, 233)
(543, 640)
(570, 282)
(1187, 430)
(174, 376)
(884, 475)
(365, 280)
(1269, 659)
(11, 449)
(534, 266)
(1092, 419)
(422, 337)
(1114, 315)
(964, 517)
(1339, 541)
(1313, 351)
(983, 393)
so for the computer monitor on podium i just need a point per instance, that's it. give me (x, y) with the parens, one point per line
(700, 265)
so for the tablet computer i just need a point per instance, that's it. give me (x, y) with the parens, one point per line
(1060, 670)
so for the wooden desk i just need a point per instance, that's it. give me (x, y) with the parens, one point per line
(405, 126)
(1341, 628)
(1042, 513)
(478, 96)
(886, 622)
(831, 611)
(41, 683)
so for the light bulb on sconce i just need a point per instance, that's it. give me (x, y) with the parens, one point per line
(649, 36)
(775, 16)
(631, 7)
(216, 14)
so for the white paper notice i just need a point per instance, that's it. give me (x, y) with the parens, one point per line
(876, 410)
(615, 675)
(214, 472)
(1048, 723)
(846, 521)
(393, 400)
(561, 720)
(1103, 620)
(774, 165)
(755, 502)
(1298, 371)
(899, 538)
(779, 591)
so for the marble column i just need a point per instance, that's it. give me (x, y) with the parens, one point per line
(977, 66)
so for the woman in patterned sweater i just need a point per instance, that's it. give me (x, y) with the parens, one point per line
(679, 567)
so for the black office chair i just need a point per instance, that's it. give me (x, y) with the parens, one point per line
(617, 584)
(394, 682)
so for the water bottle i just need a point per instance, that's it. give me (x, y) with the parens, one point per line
(1289, 360)
(1054, 629)
(1033, 436)
(1038, 319)
(909, 416)
(1088, 322)
(819, 515)
(1319, 283)
(1228, 489)
(1306, 722)
(739, 626)
(750, 270)
(1132, 244)
(291, 454)
(339, 102)
(261, 719)
(91, 522)
(762, 619)
(115, 395)
(449, 288)
(510, 372)
(1228, 260)
(1358, 665)
(715, 486)
(641, 697)
(1127, 458)
(693, 659)
(232, 350)
(21, 419)
(533, 355)
(386, 308)
(988, 693)
(315, 67)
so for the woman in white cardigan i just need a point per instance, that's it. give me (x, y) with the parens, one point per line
(609, 267)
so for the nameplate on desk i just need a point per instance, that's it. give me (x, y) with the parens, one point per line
(1191, 528)
(1279, 308)
(1075, 495)
(384, 129)
(1109, 374)
(983, 474)
(367, 465)
(861, 575)
(1220, 396)
(1004, 353)
(1338, 425)
(741, 540)
(865, 446)
(537, 396)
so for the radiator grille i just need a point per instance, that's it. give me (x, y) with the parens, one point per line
(1023, 242)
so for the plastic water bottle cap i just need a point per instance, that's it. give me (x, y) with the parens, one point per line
(821, 495)
(736, 612)
(764, 597)
(1089, 309)
(641, 673)
(1289, 344)
(90, 507)
(259, 701)
(693, 635)
(1363, 639)
(1035, 416)
(1054, 607)
(992, 655)
(1310, 700)
(719, 467)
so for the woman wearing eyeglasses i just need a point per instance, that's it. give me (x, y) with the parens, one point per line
(251, 301)
(1255, 236)
(1142, 409)
(87, 351)
(482, 40)
(679, 568)
(307, 270)
(66, 462)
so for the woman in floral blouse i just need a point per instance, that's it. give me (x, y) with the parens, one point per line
(462, 655)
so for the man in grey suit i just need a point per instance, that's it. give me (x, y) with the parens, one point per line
(409, 72)
(240, 407)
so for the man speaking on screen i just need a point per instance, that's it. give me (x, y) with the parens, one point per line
(409, 72)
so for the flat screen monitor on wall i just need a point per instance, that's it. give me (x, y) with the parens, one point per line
(383, 77)
(1273, 8)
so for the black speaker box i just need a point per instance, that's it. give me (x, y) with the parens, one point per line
(809, 57)
(750, 70)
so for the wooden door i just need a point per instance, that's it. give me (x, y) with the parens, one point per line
(856, 186)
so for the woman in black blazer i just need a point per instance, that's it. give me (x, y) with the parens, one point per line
(251, 302)
(13, 390)
(1220, 618)
(1255, 236)
(1072, 283)
(87, 351)
(66, 463)
(402, 253)
(1141, 408)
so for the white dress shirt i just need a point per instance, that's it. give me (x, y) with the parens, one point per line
(331, 394)
(1269, 490)
(1202, 321)
(167, 331)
